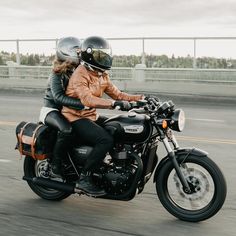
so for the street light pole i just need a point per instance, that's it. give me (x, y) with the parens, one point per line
(195, 53)
(143, 53)
(17, 52)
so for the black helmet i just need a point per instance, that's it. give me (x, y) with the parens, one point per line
(68, 49)
(96, 52)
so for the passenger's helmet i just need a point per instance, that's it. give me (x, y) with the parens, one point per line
(68, 49)
(96, 53)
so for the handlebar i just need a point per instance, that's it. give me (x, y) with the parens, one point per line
(151, 106)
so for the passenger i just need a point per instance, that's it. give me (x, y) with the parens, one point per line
(66, 61)
(88, 83)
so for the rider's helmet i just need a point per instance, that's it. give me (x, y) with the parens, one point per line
(96, 53)
(68, 49)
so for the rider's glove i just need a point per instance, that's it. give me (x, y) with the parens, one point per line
(122, 105)
(151, 97)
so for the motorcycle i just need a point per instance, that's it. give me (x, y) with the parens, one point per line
(188, 183)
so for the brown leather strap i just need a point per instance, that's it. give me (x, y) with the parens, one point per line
(34, 141)
(20, 138)
(41, 156)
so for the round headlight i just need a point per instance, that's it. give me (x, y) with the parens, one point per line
(177, 120)
(181, 121)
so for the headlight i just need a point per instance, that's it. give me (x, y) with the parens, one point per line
(177, 120)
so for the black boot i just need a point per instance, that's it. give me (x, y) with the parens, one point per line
(85, 184)
(61, 146)
(56, 169)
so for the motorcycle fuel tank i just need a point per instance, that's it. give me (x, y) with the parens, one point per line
(129, 128)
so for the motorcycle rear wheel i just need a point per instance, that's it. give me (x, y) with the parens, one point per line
(206, 182)
(31, 170)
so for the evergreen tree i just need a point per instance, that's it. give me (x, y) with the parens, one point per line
(31, 60)
(1, 60)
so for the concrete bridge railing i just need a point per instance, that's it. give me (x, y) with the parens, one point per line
(138, 74)
(193, 82)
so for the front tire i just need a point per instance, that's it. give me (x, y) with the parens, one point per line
(206, 182)
(33, 168)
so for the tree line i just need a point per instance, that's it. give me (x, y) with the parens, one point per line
(163, 61)
(151, 61)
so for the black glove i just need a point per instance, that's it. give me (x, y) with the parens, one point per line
(122, 105)
(151, 98)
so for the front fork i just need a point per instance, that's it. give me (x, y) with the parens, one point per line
(172, 157)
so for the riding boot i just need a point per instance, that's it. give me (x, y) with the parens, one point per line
(56, 167)
(59, 152)
(86, 184)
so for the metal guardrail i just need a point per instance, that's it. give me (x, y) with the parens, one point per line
(24, 72)
(199, 75)
(134, 74)
(142, 40)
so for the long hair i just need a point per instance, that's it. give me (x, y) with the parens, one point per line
(63, 67)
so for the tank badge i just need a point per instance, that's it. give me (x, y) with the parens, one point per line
(133, 129)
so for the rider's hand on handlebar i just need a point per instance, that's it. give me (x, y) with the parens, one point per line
(122, 105)
(151, 98)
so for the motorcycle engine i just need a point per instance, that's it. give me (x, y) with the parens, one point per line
(119, 175)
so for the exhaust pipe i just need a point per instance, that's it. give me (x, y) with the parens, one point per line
(65, 187)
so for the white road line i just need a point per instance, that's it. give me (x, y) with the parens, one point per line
(8, 123)
(206, 140)
(190, 118)
(207, 120)
(5, 161)
(12, 123)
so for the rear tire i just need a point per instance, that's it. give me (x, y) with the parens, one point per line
(204, 176)
(31, 170)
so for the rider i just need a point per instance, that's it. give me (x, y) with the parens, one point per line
(66, 61)
(88, 83)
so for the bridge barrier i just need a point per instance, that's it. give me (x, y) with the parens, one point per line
(182, 82)
(139, 74)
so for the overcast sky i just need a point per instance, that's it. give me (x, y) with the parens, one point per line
(116, 18)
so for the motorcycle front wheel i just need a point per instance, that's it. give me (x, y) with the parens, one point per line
(36, 168)
(207, 184)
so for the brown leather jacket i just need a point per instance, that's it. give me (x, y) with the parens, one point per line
(89, 87)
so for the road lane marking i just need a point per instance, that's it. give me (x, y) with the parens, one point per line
(185, 138)
(187, 118)
(13, 123)
(207, 120)
(207, 140)
(8, 123)
(5, 160)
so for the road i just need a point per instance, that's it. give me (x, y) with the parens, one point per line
(211, 128)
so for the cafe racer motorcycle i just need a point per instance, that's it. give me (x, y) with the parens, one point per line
(188, 183)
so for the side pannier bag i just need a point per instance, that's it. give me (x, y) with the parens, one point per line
(35, 140)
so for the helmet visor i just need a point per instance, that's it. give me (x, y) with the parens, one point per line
(102, 57)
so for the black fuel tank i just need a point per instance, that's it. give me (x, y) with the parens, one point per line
(129, 128)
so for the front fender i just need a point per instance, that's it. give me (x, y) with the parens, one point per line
(182, 151)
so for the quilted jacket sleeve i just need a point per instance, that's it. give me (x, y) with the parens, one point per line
(59, 96)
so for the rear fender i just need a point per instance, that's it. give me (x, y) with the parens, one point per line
(178, 153)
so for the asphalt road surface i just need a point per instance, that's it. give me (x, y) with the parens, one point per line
(211, 128)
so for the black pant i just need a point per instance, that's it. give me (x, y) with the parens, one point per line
(93, 134)
(64, 137)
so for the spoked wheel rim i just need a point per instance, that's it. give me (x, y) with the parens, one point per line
(42, 169)
(201, 184)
